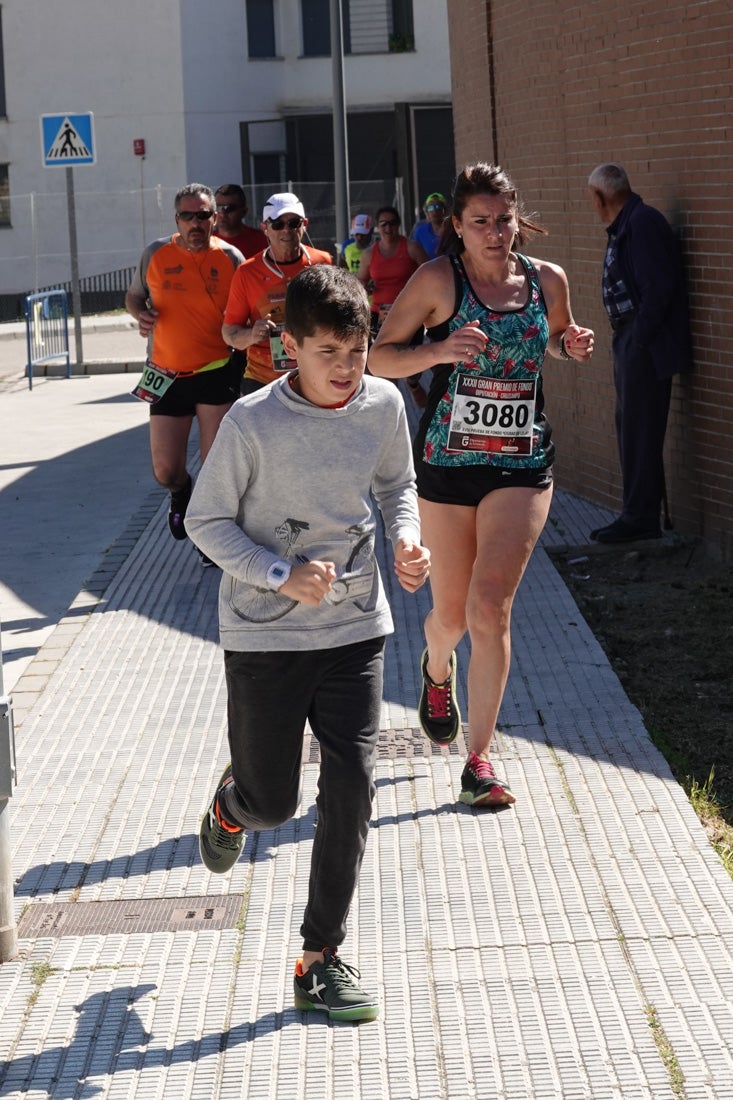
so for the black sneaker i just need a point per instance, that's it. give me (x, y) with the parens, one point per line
(177, 513)
(331, 986)
(437, 710)
(479, 785)
(206, 563)
(220, 842)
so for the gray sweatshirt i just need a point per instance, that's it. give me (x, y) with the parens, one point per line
(288, 480)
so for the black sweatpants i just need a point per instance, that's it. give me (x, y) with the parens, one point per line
(270, 697)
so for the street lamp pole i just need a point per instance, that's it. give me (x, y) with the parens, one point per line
(340, 140)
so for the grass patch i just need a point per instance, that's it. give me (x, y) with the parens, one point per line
(40, 972)
(666, 1052)
(715, 818)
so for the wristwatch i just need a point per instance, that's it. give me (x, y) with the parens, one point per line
(277, 575)
(561, 348)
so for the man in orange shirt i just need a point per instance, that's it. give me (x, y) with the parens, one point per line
(255, 311)
(177, 296)
(231, 210)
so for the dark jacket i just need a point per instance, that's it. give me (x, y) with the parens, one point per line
(649, 259)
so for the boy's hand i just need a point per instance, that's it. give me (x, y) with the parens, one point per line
(309, 583)
(411, 564)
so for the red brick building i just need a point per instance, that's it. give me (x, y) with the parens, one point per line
(549, 91)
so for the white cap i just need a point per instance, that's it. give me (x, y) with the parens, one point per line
(361, 223)
(283, 203)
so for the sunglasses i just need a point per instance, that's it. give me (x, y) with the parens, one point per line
(286, 223)
(391, 222)
(199, 215)
(228, 207)
(435, 206)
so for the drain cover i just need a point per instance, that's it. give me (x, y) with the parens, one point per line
(104, 918)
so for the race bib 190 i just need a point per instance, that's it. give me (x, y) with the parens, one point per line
(153, 383)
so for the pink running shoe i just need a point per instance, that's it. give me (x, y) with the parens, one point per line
(479, 785)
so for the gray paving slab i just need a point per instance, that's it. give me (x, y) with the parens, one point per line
(74, 472)
(540, 951)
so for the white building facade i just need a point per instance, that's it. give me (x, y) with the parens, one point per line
(233, 91)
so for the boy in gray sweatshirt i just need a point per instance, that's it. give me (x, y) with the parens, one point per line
(285, 505)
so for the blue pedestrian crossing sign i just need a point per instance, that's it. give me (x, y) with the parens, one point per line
(67, 140)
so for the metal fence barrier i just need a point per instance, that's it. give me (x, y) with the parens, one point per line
(99, 293)
(47, 330)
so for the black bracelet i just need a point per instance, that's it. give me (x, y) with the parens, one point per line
(561, 348)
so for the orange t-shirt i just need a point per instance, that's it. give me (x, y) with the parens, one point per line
(258, 288)
(189, 291)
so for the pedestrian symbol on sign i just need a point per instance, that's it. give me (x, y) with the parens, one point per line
(68, 143)
(67, 139)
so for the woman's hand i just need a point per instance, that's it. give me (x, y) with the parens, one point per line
(578, 342)
(464, 344)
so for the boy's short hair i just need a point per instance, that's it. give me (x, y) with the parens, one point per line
(326, 297)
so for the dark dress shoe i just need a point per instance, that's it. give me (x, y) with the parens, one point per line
(622, 531)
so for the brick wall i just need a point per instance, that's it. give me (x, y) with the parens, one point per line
(648, 84)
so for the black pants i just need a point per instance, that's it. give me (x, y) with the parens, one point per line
(642, 406)
(270, 696)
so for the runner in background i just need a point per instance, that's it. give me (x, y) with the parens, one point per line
(231, 210)
(177, 296)
(386, 267)
(255, 311)
(427, 232)
(353, 248)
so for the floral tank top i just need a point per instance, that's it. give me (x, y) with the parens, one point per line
(489, 410)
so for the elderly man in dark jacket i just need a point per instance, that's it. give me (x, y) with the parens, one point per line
(645, 298)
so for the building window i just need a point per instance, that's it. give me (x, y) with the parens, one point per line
(260, 28)
(4, 195)
(402, 38)
(369, 26)
(316, 19)
(268, 169)
(3, 109)
(378, 26)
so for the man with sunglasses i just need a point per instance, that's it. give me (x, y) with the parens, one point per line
(177, 296)
(255, 311)
(231, 210)
(427, 232)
